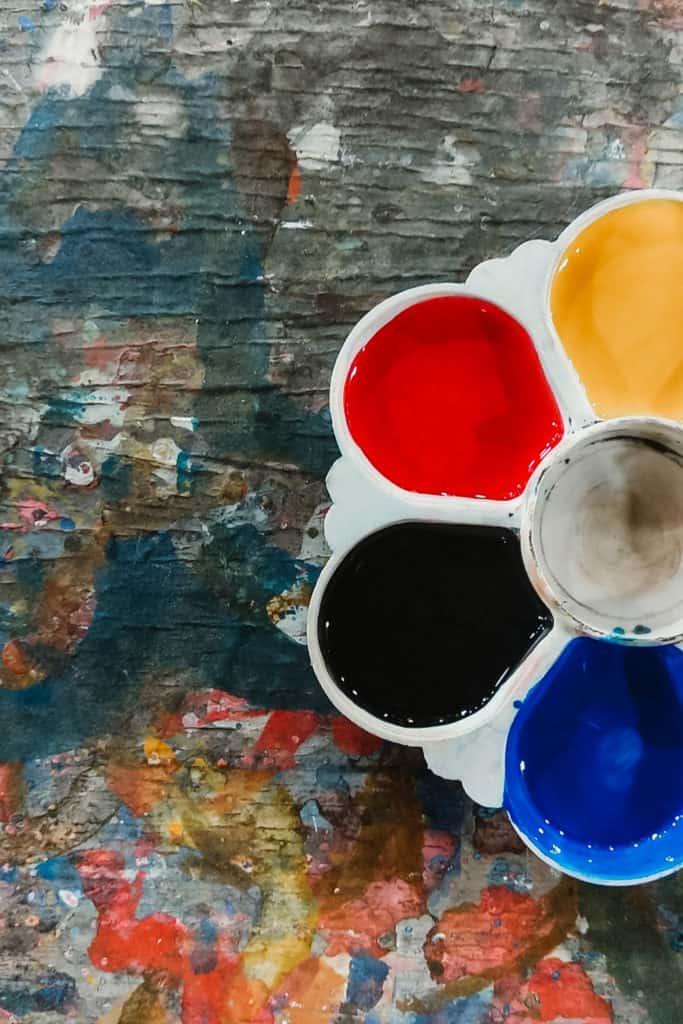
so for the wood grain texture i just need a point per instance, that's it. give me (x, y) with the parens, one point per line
(197, 200)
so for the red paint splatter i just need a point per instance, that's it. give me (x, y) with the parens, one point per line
(438, 850)
(470, 85)
(556, 991)
(294, 187)
(282, 736)
(481, 938)
(358, 924)
(449, 397)
(162, 944)
(352, 740)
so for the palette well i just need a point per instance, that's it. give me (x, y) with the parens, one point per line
(507, 536)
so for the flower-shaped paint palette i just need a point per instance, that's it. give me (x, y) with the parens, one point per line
(506, 583)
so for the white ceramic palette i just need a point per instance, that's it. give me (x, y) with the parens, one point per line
(506, 583)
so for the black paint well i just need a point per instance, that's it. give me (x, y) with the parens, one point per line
(421, 623)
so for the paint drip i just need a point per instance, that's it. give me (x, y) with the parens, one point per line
(617, 304)
(594, 761)
(406, 621)
(449, 397)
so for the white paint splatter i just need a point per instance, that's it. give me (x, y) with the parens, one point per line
(316, 145)
(452, 163)
(70, 56)
(184, 422)
(293, 623)
(69, 898)
(296, 225)
(165, 451)
(77, 469)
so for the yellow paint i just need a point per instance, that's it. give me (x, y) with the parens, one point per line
(176, 831)
(157, 752)
(617, 304)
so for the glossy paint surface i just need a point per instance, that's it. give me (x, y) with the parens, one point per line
(594, 764)
(422, 623)
(617, 305)
(449, 397)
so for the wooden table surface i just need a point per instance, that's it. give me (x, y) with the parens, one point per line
(197, 200)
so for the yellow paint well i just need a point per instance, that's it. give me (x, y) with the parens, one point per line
(617, 304)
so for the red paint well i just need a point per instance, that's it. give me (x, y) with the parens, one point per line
(449, 397)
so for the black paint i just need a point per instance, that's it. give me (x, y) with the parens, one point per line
(421, 623)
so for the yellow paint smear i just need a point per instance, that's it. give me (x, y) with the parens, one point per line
(617, 305)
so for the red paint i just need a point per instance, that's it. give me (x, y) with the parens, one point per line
(470, 85)
(159, 944)
(282, 736)
(556, 991)
(449, 397)
(488, 937)
(352, 740)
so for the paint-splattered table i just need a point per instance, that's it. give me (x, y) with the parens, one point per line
(197, 199)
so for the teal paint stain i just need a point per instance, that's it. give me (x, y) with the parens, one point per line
(44, 463)
(115, 477)
(186, 469)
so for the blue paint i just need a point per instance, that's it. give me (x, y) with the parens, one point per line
(366, 978)
(594, 761)
(115, 476)
(61, 871)
(25, 23)
(67, 524)
(45, 463)
(52, 990)
(145, 597)
(312, 817)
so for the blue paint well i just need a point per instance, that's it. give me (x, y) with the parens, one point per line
(594, 761)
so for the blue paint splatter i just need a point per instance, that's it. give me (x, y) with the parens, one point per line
(594, 763)
(25, 23)
(366, 978)
(145, 598)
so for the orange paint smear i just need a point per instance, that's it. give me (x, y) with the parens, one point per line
(294, 187)
(140, 786)
(11, 789)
